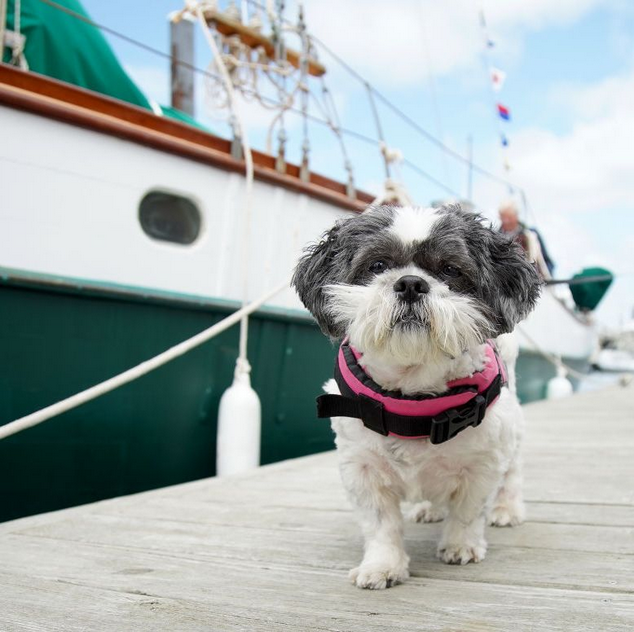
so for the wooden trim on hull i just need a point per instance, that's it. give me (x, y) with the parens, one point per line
(63, 102)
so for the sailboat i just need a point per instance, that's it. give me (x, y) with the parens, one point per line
(122, 232)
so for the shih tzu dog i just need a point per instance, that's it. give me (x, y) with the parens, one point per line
(423, 402)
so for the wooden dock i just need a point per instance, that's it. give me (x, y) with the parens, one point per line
(270, 551)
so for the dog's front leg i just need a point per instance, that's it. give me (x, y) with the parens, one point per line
(508, 508)
(375, 491)
(462, 539)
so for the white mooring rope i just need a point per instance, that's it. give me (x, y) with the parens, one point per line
(196, 8)
(136, 372)
(554, 359)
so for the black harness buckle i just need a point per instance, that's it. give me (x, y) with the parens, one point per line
(448, 424)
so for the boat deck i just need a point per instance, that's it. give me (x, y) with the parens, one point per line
(270, 550)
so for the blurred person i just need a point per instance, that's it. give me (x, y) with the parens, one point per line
(529, 238)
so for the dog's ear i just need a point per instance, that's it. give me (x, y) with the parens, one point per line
(320, 266)
(510, 283)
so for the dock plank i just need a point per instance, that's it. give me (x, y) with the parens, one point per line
(270, 550)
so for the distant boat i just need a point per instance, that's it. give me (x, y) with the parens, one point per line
(553, 330)
(617, 353)
(120, 235)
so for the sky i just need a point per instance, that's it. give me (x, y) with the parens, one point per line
(569, 86)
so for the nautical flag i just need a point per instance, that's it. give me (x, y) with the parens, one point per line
(504, 140)
(504, 112)
(483, 24)
(497, 78)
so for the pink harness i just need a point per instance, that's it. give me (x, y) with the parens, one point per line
(437, 417)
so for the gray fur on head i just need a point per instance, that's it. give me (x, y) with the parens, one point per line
(495, 278)
(503, 278)
(328, 262)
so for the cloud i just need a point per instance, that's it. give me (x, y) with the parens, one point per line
(589, 167)
(535, 14)
(397, 43)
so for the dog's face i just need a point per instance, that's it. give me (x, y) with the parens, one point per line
(410, 281)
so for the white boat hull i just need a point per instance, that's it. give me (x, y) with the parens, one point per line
(555, 329)
(70, 207)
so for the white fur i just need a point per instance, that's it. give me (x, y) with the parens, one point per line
(413, 224)
(464, 478)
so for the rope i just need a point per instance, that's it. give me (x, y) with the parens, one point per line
(248, 162)
(17, 19)
(3, 21)
(13, 39)
(136, 372)
(552, 358)
(16, 48)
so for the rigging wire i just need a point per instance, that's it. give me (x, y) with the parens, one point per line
(405, 117)
(343, 130)
(414, 167)
(409, 120)
(379, 130)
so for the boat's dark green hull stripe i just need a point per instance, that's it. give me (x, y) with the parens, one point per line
(159, 430)
(58, 337)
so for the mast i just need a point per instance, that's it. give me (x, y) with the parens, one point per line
(182, 63)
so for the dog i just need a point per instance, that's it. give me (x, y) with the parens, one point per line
(424, 299)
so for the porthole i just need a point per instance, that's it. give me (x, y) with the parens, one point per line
(169, 217)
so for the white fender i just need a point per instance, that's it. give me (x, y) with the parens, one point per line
(239, 425)
(559, 386)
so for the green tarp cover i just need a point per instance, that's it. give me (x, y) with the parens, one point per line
(588, 295)
(177, 115)
(64, 47)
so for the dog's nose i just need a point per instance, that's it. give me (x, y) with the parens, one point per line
(411, 288)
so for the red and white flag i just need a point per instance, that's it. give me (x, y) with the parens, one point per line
(497, 78)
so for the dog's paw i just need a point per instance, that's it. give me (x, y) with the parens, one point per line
(462, 553)
(376, 576)
(425, 512)
(507, 514)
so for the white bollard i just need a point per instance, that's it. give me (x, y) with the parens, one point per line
(239, 425)
(559, 386)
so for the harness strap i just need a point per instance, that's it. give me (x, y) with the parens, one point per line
(439, 428)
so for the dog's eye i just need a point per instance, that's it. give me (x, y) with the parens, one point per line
(451, 271)
(378, 266)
